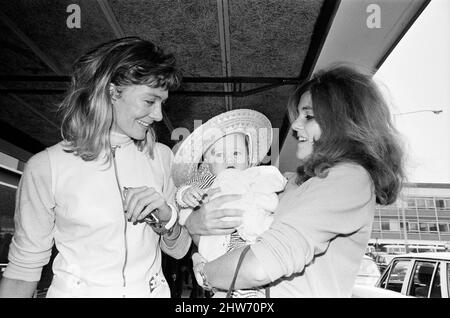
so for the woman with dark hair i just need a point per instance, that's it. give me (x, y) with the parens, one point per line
(104, 194)
(349, 161)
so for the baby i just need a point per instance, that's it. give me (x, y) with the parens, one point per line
(226, 166)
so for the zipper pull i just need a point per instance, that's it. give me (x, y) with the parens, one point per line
(113, 150)
(124, 193)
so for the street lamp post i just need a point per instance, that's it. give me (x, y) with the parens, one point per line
(405, 231)
(436, 112)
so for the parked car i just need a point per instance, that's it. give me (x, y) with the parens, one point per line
(369, 273)
(366, 280)
(425, 248)
(382, 259)
(394, 249)
(424, 275)
(2, 268)
(364, 291)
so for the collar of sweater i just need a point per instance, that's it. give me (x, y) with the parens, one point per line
(118, 139)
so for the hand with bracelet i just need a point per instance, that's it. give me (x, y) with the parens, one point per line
(144, 203)
(198, 266)
(211, 219)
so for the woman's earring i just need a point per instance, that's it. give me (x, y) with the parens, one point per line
(111, 93)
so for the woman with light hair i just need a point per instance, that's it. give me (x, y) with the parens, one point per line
(104, 194)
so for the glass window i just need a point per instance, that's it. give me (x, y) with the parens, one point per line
(413, 226)
(443, 227)
(394, 225)
(433, 227)
(385, 226)
(440, 204)
(375, 226)
(421, 203)
(392, 207)
(410, 212)
(436, 286)
(430, 203)
(383, 270)
(390, 212)
(411, 203)
(423, 227)
(447, 203)
(397, 276)
(423, 273)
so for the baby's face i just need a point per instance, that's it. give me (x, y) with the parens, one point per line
(228, 152)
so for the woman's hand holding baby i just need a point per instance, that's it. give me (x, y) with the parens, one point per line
(211, 220)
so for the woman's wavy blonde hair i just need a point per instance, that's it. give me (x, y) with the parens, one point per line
(87, 113)
(356, 127)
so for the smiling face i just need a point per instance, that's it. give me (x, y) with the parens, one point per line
(228, 152)
(306, 128)
(136, 107)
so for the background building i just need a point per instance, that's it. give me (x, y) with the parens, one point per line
(420, 217)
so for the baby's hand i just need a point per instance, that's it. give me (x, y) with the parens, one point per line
(192, 196)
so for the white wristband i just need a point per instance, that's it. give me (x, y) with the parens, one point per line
(179, 196)
(173, 218)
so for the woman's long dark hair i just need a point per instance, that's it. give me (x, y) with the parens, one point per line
(356, 127)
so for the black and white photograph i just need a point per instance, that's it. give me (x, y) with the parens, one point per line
(216, 153)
